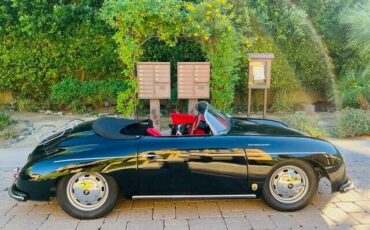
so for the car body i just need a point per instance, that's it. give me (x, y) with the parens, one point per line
(233, 161)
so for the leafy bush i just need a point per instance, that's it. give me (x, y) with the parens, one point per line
(42, 42)
(305, 124)
(4, 120)
(354, 89)
(357, 20)
(29, 105)
(354, 122)
(66, 92)
(74, 94)
(355, 83)
(283, 101)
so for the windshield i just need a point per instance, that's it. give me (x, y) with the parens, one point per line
(217, 121)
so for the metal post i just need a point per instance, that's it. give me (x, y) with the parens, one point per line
(191, 106)
(249, 102)
(155, 113)
(264, 103)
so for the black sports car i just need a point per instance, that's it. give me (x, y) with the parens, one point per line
(87, 166)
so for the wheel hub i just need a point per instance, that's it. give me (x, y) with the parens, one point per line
(289, 184)
(87, 191)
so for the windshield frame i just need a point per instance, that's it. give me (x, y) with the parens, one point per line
(218, 121)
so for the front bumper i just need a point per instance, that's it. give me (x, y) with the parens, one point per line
(348, 185)
(17, 194)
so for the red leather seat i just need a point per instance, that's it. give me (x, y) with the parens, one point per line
(153, 132)
(182, 118)
(199, 132)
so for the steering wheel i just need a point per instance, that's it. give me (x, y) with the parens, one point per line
(196, 123)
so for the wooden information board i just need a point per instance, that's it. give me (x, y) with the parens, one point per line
(193, 80)
(259, 76)
(154, 80)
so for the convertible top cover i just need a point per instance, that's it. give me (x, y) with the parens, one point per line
(120, 128)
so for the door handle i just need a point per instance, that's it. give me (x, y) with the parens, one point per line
(150, 156)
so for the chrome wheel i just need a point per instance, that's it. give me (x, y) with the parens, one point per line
(289, 184)
(87, 191)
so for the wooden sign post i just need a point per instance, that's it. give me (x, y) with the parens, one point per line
(259, 76)
(154, 84)
(193, 82)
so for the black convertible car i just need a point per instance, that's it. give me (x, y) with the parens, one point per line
(87, 166)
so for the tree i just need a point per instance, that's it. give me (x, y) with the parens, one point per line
(355, 82)
(208, 22)
(357, 21)
(136, 22)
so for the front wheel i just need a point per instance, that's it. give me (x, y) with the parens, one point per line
(87, 195)
(290, 185)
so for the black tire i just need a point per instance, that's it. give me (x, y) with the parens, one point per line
(107, 206)
(303, 201)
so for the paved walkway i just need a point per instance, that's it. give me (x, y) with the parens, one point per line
(327, 211)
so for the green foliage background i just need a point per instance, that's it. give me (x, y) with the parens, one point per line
(354, 122)
(305, 123)
(44, 43)
(74, 94)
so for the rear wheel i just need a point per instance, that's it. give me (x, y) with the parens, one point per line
(87, 195)
(290, 185)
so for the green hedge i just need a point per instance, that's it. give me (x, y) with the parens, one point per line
(354, 122)
(77, 95)
(305, 124)
(43, 42)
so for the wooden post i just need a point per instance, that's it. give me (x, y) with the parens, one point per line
(136, 112)
(249, 101)
(259, 76)
(191, 106)
(264, 103)
(155, 113)
(154, 83)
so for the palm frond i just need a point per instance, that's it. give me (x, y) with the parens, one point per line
(357, 21)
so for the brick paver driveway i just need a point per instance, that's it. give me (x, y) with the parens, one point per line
(328, 211)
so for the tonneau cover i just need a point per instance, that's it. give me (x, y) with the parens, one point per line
(121, 128)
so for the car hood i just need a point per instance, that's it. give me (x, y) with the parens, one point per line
(246, 126)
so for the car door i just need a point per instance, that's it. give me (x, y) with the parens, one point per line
(192, 165)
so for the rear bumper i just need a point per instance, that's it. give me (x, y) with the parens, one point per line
(348, 185)
(16, 194)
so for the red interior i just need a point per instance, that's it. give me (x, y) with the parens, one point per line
(199, 132)
(179, 119)
(153, 132)
(182, 118)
